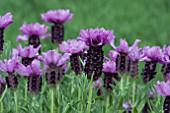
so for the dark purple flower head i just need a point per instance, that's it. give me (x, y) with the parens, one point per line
(54, 16)
(163, 88)
(73, 46)
(6, 20)
(97, 84)
(33, 29)
(124, 47)
(113, 55)
(53, 58)
(9, 66)
(96, 37)
(154, 53)
(136, 55)
(168, 77)
(2, 80)
(28, 51)
(109, 67)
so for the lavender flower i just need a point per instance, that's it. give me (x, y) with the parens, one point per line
(58, 18)
(2, 85)
(34, 74)
(32, 32)
(9, 66)
(123, 62)
(75, 49)
(96, 85)
(128, 105)
(134, 57)
(109, 69)
(56, 65)
(28, 53)
(5, 21)
(163, 88)
(151, 56)
(96, 39)
(166, 58)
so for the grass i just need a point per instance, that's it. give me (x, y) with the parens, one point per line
(131, 19)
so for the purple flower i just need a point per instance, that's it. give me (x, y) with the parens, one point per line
(97, 84)
(124, 47)
(2, 80)
(153, 53)
(6, 20)
(168, 77)
(136, 55)
(54, 16)
(73, 46)
(113, 55)
(33, 29)
(96, 37)
(163, 88)
(9, 66)
(53, 58)
(109, 67)
(127, 105)
(28, 51)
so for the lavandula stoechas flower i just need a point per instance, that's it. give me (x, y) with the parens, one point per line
(5, 21)
(75, 49)
(127, 105)
(96, 86)
(2, 85)
(58, 18)
(34, 74)
(123, 49)
(56, 65)
(166, 58)
(110, 73)
(9, 66)
(134, 57)
(95, 39)
(151, 56)
(32, 33)
(163, 88)
(28, 53)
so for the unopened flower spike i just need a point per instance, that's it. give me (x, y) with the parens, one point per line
(75, 49)
(5, 21)
(58, 18)
(2, 85)
(95, 39)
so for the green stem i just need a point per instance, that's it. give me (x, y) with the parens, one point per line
(133, 97)
(79, 98)
(107, 104)
(90, 98)
(26, 91)
(2, 107)
(52, 100)
(58, 98)
(16, 101)
(33, 103)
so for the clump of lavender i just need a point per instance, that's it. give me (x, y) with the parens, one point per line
(163, 88)
(2, 85)
(75, 49)
(28, 54)
(55, 64)
(110, 73)
(32, 33)
(9, 66)
(151, 56)
(122, 61)
(58, 18)
(95, 39)
(166, 65)
(34, 74)
(134, 57)
(5, 21)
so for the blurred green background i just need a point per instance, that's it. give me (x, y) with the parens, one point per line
(147, 20)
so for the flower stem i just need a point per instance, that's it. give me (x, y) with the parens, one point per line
(58, 98)
(133, 97)
(107, 104)
(2, 109)
(16, 101)
(26, 91)
(52, 100)
(90, 98)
